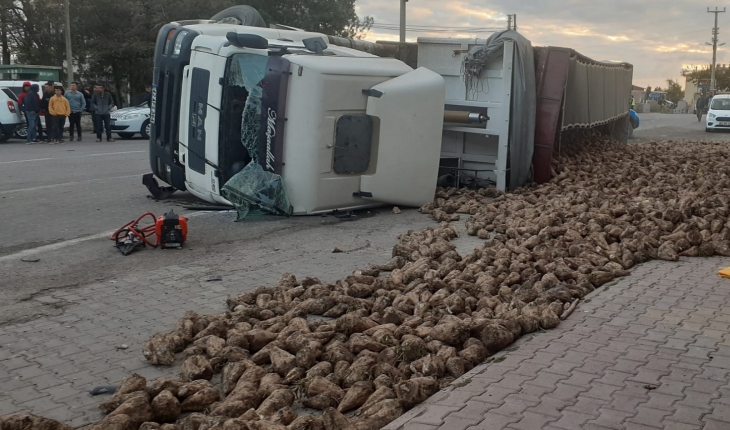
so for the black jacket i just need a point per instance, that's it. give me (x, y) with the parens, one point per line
(101, 104)
(44, 100)
(30, 101)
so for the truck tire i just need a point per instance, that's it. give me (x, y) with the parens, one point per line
(241, 15)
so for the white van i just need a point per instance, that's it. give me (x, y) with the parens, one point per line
(718, 114)
(10, 116)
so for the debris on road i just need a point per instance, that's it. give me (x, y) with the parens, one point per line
(337, 250)
(30, 259)
(396, 210)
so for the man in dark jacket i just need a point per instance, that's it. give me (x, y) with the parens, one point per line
(32, 107)
(48, 92)
(101, 106)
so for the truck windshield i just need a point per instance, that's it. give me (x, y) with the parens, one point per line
(247, 71)
(720, 104)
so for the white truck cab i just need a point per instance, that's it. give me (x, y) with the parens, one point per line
(343, 129)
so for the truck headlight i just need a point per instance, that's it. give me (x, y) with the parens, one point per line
(178, 42)
(711, 115)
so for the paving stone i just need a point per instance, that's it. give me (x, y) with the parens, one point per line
(572, 420)
(532, 421)
(648, 416)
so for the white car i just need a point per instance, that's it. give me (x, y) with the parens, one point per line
(10, 116)
(718, 114)
(17, 88)
(127, 122)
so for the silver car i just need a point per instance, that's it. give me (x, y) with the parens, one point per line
(127, 122)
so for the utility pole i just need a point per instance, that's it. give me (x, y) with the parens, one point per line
(403, 21)
(714, 45)
(512, 21)
(69, 57)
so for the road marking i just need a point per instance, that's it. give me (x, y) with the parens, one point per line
(44, 187)
(66, 243)
(73, 156)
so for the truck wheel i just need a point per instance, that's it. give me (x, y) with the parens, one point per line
(126, 135)
(241, 15)
(4, 136)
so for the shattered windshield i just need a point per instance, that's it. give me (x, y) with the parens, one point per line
(252, 187)
(248, 71)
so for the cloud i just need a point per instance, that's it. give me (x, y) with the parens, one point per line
(657, 36)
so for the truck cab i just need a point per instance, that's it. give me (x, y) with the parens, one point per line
(343, 128)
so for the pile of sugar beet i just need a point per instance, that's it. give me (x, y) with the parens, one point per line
(357, 353)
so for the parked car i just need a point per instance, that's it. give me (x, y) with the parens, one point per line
(10, 116)
(718, 114)
(127, 122)
(17, 88)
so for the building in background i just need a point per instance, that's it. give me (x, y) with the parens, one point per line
(638, 93)
(19, 72)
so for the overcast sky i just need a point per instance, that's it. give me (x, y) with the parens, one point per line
(658, 37)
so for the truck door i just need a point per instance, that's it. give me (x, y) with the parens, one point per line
(199, 123)
(410, 113)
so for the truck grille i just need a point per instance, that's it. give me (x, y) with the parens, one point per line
(723, 118)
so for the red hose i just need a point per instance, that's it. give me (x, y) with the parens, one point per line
(142, 233)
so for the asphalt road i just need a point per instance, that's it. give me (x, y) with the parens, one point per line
(58, 204)
(656, 126)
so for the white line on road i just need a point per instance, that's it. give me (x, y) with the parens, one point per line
(65, 184)
(73, 156)
(71, 242)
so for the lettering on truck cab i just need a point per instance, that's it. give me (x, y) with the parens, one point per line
(270, 134)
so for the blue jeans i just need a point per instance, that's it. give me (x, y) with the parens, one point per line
(32, 130)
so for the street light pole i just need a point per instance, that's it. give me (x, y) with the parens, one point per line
(69, 57)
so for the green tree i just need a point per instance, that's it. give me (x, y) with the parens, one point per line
(113, 41)
(674, 91)
(722, 76)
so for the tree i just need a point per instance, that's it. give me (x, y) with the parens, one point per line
(114, 41)
(696, 74)
(674, 91)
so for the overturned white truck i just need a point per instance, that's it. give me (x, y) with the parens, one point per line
(303, 123)
(287, 120)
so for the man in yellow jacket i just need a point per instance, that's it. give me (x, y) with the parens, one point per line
(59, 109)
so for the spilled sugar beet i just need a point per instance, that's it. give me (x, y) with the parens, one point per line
(359, 352)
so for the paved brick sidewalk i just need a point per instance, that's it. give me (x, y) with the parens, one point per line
(651, 351)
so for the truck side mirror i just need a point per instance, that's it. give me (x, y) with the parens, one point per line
(315, 44)
(253, 41)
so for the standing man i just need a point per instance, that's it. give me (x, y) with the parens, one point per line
(59, 109)
(148, 95)
(26, 89)
(48, 92)
(31, 107)
(89, 94)
(101, 106)
(77, 102)
(700, 107)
